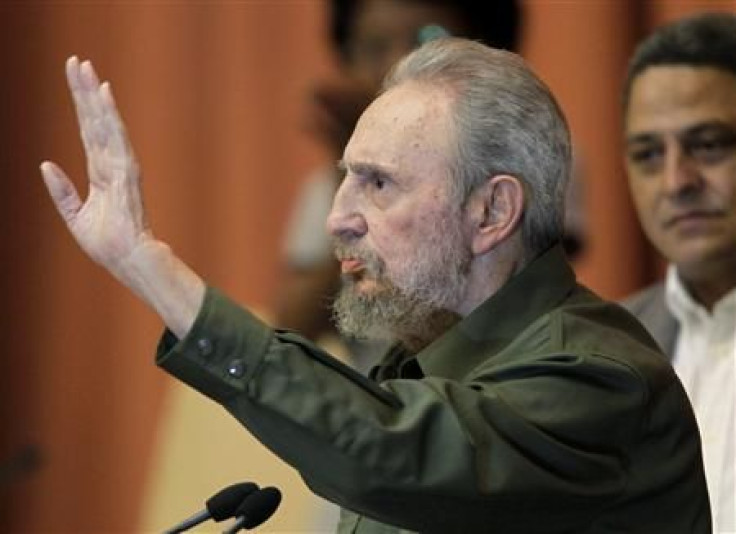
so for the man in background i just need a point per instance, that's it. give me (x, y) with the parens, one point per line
(680, 127)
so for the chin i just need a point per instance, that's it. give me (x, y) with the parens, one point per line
(367, 286)
(699, 261)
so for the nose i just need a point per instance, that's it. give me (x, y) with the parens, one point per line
(681, 173)
(345, 219)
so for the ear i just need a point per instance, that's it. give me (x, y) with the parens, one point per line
(494, 210)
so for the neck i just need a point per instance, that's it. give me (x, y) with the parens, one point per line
(432, 328)
(707, 291)
(709, 281)
(490, 272)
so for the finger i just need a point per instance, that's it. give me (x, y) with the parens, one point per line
(62, 191)
(91, 86)
(92, 92)
(83, 83)
(72, 68)
(88, 75)
(77, 92)
(119, 143)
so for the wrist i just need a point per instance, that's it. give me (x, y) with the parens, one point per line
(147, 252)
(157, 276)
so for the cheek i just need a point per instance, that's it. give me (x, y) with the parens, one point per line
(724, 185)
(644, 195)
(398, 241)
(400, 233)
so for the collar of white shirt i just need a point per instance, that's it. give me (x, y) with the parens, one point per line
(687, 310)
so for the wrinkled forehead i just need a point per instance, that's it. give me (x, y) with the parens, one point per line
(406, 122)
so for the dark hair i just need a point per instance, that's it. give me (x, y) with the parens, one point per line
(496, 23)
(705, 40)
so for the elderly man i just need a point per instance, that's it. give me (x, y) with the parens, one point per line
(680, 119)
(516, 400)
(368, 37)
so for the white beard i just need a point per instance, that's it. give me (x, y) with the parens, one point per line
(414, 306)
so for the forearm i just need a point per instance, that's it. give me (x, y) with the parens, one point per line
(110, 224)
(164, 282)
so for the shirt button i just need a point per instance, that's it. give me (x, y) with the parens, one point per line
(205, 346)
(236, 369)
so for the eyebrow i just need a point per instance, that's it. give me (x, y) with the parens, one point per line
(708, 126)
(641, 138)
(696, 129)
(364, 168)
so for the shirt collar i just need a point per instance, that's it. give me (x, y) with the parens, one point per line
(678, 299)
(685, 308)
(536, 290)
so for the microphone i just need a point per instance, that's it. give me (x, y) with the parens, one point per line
(222, 505)
(256, 508)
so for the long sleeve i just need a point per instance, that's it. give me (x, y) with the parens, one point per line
(546, 433)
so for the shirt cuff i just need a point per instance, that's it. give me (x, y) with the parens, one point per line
(221, 353)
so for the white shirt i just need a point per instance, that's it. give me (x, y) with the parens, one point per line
(705, 361)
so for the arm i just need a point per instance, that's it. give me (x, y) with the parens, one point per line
(438, 455)
(110, 225)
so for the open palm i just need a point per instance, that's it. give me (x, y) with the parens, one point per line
(110, 223)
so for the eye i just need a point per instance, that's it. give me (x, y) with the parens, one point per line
(378, 181)
(379, 187)
(375, 179)
(710, 149)
(646, 157)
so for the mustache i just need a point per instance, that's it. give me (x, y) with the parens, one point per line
(677, 217)
(695, 208)
(373, 264)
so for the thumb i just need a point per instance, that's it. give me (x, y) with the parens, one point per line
(62, 191)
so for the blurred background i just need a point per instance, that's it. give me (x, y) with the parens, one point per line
(93, 437)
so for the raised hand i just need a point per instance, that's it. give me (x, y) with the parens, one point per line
(110, 224)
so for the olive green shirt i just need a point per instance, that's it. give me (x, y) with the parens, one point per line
(546, 410)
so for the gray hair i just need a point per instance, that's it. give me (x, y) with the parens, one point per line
(507, 122)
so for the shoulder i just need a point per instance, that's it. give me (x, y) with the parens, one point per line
(606, 333)
(650, 307)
